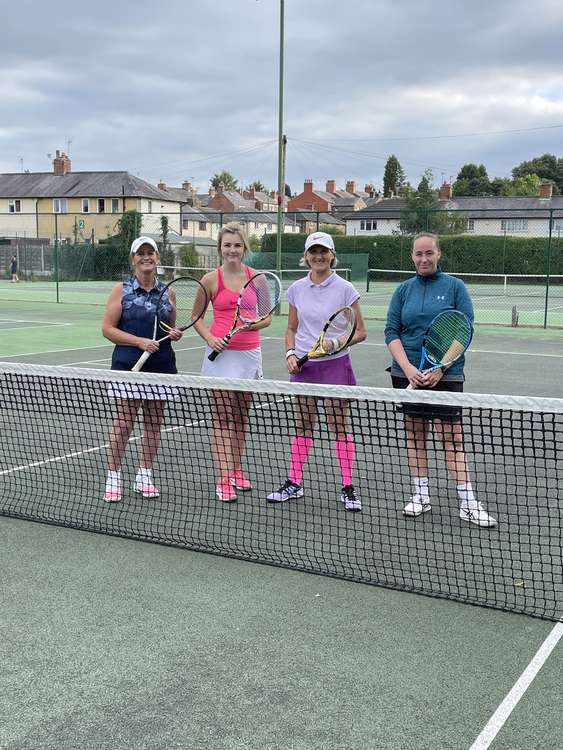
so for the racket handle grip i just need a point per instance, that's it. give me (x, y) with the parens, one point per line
(301, 361)
(213, 356)
(140, 362)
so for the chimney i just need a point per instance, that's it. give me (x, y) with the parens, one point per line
(219, 190)
(331, 186)
(546, 190)
(308, 187)
(61, 164)
(161, 185)
(445, 193)
(187, 186)
(350, 186)
(369, 189)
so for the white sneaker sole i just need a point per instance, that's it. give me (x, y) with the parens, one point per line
(418, 511)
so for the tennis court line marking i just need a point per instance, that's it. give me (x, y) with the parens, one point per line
(28, 328)
(500, 716)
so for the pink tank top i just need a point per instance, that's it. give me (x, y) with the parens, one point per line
(224, 305)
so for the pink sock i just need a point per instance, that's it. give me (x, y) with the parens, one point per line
(300, 447)
(346, 452)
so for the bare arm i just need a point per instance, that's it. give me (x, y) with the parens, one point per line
(292, 325)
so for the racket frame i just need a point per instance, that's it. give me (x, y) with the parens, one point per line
(246, 325)
(425, 357)
(165, 326)
(317, 350)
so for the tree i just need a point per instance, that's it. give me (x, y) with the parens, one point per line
(333, 229)
(472, 180)
(526, 185)
(258, 186)
(393, 177)
(287, 191)
(422, 212)
(225, 179)
(546, 167)
(129, 227)
(188, 256)
(500, 185)
(166, 252)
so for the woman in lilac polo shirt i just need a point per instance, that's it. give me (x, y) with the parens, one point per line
(312, 300)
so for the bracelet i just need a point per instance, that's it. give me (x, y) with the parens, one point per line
(290, 353)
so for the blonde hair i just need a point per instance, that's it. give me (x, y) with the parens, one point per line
(233, 228)
(430, 235)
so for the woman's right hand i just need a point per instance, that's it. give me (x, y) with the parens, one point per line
(414, 376)
(148, 345)
(292, 366)
(215, 343)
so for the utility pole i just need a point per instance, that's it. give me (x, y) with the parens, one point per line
(281, 149)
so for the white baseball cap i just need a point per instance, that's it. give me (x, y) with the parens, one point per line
(140, 241)
(320, 238)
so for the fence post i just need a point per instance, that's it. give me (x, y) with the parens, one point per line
(548, 268)
(57, 258)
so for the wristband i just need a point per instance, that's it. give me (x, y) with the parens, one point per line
(290, 353)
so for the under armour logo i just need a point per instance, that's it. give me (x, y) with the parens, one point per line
(441, 297)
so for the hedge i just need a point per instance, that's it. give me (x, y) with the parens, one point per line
(460, 253)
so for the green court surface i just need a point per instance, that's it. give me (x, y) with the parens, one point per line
(112, 643)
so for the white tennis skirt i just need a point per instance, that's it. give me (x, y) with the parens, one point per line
(233, 363)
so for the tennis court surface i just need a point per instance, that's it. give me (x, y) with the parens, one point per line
(112, 643)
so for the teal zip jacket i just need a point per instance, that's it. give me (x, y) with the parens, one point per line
(415, 303)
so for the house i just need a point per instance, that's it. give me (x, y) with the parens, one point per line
(79, 205)
(262, 201)
(492, 216)
(330, 200)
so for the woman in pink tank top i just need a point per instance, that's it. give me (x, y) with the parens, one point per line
(240, 358)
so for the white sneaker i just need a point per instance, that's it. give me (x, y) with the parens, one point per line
(287, 490)
(417, 506)
(475, 513)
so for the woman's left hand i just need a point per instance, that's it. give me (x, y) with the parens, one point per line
(176, 334)
(432, 378)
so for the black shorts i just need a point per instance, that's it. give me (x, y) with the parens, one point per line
(432, 411)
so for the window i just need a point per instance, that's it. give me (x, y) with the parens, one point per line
(202, 226)
(85, 205)
(115, 205)
(150, 207)
(368, 225)
(185, 223)
(514, 225)
(256, 225)
(470, 225)
(101, 205)
(15, 206)
(60, 206)
(269, 226)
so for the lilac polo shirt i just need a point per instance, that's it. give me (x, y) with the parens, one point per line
(315, 303)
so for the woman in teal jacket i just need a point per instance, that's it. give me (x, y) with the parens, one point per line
(414, 305)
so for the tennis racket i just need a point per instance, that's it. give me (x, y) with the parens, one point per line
(335, 336)
(257, 300)
(181, 303)
(446, 339)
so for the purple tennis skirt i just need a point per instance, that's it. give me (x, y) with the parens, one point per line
(331, 371)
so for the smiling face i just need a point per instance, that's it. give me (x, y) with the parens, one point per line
(319, 258)
(425, 255)
(232, 248)
(145, 259)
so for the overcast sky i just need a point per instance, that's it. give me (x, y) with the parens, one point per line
(182, 89)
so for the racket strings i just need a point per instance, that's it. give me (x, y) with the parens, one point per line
(448, 337)
(260, 297)
(190, 304)
(339, 330)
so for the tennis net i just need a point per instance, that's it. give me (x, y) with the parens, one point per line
(55, 427)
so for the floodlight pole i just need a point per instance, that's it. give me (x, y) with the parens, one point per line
(281, 149)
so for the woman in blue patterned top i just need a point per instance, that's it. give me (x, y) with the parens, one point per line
(129, 324)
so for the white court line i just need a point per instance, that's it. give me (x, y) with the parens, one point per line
(500, 716)
(45, 322)
(27, 328)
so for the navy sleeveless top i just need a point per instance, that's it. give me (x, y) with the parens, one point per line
(138, 310)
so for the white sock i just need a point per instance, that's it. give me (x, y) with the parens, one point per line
(144, 476)
(421, 486)
(113, 481)
(465, 492)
